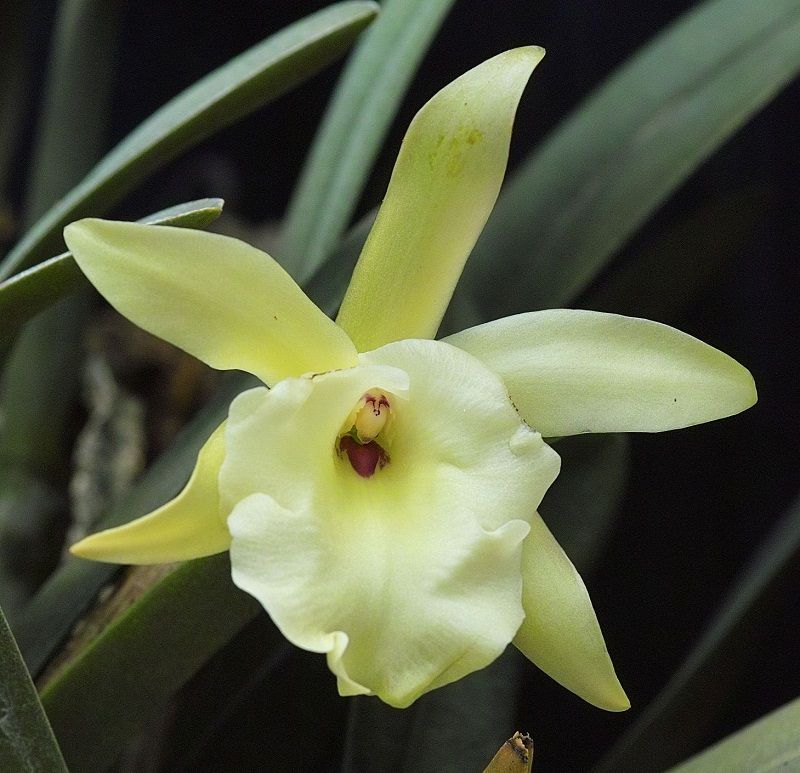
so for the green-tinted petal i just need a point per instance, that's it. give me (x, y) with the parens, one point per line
(444, 185)
(221, 300)
(560, 633)
(570, 372)
(408, 579)
(189, 526)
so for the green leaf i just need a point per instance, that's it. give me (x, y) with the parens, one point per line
(26, 740)
(27, 293)
(366, 99)
(624, 150)
(71, 589)
(251, 80)
(131, 669)
(13, 69)
(328, 284)
(678, 719)
(75, 107)
(206, 709)
(42, 376)
(27, 504)
(768, 745)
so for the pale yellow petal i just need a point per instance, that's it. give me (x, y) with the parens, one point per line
(570, 372)
(444, 185)
(221, 300)
(189, 526)
(408, 579)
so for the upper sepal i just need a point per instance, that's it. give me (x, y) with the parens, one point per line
(443, 187)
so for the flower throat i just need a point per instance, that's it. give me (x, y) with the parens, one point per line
(358, 442)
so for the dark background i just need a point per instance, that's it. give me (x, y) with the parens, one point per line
(698, 501)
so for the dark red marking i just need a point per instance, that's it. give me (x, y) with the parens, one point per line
(364, 459)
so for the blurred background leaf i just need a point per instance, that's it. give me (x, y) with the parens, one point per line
(355, 125)
(14, 62)
(327, 285)
(587, 188)
(580, 507)
(661, 280)
(247, 82)
(128, 670)
(34, 289)
(254, 681)
(72, 124)
(708, 679)
(42, 375)
(27, 744)
(767, 745)
(448, 730)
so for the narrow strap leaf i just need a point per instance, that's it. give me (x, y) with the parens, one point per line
(29, 292)
(74, 115)
(768, 745)
(366, 99)
(27, 744)
(13, 69)
(623, 151)
(251, 80)
(129, 671)
(661, 735)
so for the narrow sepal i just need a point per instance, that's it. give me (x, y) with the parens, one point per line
(443, 187)
(560, 633)
(189, 526)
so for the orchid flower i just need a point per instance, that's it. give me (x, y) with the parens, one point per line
(379, 497)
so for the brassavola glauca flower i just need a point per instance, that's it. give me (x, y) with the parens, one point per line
(378, 495)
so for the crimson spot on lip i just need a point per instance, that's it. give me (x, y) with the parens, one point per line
(364, 459)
